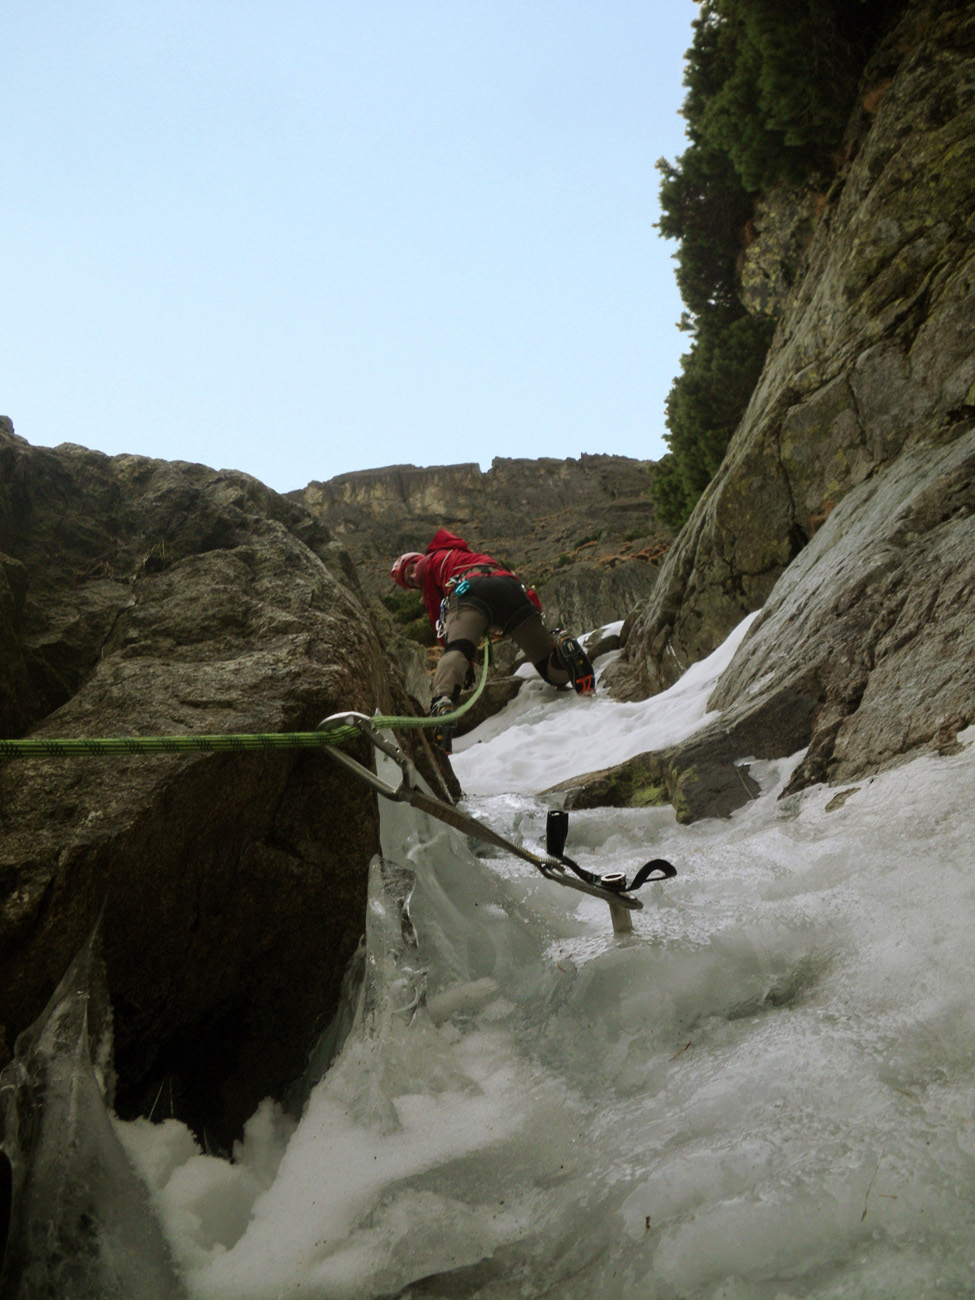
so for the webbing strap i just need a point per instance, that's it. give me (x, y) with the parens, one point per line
(40, 747)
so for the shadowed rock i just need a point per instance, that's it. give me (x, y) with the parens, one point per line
(155, 598)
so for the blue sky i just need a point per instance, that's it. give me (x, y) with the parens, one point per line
(303, 237)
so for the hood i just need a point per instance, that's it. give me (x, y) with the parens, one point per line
(444, 540)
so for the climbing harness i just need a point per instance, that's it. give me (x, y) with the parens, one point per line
(459, 586)
(333, 731)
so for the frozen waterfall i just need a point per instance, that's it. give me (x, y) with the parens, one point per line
(765, 1093)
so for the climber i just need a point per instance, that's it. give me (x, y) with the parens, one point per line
(465, 595)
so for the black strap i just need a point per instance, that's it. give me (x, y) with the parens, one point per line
(658, 869)
(477, 571)
(467, 648)
(556, 829)
(588, 876)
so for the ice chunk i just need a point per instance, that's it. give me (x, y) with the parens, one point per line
(81, 1223)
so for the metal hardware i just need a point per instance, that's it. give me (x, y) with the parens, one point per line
(620, 901)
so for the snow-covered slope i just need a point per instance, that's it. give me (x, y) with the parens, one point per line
(765, 1092)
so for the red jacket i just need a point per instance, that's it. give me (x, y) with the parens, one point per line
(447, 556)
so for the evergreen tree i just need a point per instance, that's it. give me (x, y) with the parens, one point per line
(705, 405)
(769, 90)
(704, 205)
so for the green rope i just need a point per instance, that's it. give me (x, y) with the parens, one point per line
(34, 747)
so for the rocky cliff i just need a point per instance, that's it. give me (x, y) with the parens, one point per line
(140, 597)
(844, 506)
(582, 531)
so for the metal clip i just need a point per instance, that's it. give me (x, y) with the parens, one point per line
(611, 888)
(389, 748)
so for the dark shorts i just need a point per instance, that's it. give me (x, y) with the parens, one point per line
(492, 602)
(501, 600)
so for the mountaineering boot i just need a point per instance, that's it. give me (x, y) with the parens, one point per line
(443, 735)
(575, 661)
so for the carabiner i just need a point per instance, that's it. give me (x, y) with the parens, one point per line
(388, 747)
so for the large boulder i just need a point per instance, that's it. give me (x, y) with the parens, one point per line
(141, 597)
(872, 359)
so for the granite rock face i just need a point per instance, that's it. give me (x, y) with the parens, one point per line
(891, 579)
(860, 657)
(775, 246)
(141, 597)
(868, 395)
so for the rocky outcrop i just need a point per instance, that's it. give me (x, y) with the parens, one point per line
(141, 597)
(702, 778)
(868, 396)
(582, 531)
(872, 623)
(776, 241)
(860, 657)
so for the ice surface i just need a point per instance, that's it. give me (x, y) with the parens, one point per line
(537, 741)
(765, 1092)
(81, 1224)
